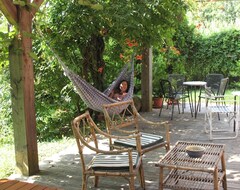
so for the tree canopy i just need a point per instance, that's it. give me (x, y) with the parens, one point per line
(78, 30)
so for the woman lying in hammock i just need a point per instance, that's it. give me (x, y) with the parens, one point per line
(120, 92)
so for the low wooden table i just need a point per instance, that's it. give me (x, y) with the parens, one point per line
(6, 184)
(207, 172)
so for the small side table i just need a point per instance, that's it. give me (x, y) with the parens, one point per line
(207, 172)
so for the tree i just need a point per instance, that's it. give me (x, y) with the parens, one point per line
(79, 30)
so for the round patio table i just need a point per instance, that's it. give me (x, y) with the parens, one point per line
(194, 85)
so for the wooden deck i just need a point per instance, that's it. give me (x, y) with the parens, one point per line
(6, 184)
(64, 171)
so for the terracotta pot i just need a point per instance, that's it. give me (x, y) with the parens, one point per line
(157, 102)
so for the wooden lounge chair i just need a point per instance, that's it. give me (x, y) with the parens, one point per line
(123, 163)
(123, 118)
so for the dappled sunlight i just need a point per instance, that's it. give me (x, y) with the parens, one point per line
(233, 175)
(64, 169)
(234, 158)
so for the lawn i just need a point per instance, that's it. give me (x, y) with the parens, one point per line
(45, 150)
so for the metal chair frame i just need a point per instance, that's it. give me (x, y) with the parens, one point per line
(171, 94)
(229, 108)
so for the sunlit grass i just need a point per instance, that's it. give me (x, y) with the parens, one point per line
(7, 160)
(45, 150)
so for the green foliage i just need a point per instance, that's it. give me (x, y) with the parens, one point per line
(71, 29)
(6, 130)
(5, 39)
(218, 53)
(7, 163)
(214, 16)
(159, 71)
(56, 101)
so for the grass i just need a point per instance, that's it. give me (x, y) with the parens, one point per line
(45, 150)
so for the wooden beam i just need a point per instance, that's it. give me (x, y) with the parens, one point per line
(10, 11)
(38, 3)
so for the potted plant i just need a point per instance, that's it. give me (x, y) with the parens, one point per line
(159, 72)
(157, 98)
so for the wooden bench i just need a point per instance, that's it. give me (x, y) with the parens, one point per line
(6, 184)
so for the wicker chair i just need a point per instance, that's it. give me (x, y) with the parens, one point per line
(123, 163)
(123, 118)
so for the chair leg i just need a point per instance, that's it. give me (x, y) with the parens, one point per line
(160, 111)
(210, 126)
(172, 110)
(96, 180)
(141, 176)
(178, 106)
(84, 182)
(167, 147)
(206, 119)
(183, 104)
(131, 183)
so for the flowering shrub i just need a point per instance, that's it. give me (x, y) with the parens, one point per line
(132, 47)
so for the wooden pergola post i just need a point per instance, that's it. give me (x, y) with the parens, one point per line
(146, 80)
(22, 85)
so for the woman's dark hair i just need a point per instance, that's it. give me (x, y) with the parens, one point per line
(118, 86)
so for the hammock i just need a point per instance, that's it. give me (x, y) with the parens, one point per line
(94, 98)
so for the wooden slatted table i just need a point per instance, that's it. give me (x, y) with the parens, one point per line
(207, 172)
(6, 184)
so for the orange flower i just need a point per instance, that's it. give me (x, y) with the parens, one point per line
(139, 57)
(121, 56)
(163, 50)
(198, 25)
(130, 44)
(100, 69)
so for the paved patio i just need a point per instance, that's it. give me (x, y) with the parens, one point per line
(63, 170)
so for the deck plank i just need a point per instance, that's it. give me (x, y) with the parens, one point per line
(6, 184)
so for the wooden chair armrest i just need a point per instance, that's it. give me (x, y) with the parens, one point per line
(164, 124)
(151, 122)
(127, 132)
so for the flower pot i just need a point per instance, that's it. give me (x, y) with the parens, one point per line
(157, 102)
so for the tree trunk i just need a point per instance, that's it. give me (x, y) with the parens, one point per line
(93, 61)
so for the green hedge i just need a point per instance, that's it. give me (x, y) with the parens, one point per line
(219, 53)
